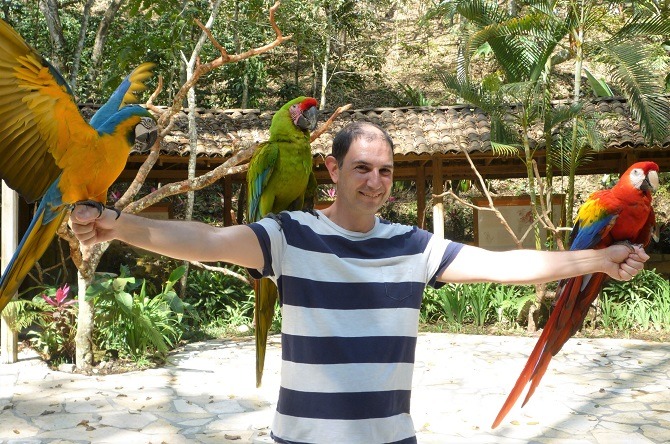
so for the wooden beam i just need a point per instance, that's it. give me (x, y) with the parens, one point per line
(9, 241)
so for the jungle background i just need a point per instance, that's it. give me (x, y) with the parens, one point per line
(386, 53)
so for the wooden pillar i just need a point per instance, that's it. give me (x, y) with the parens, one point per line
(438, 202)
(421, 196)
(227, 201)
(8, 244)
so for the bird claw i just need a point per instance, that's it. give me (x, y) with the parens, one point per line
(631, 246)
(98, 206)
(276, 218)
(313, 212)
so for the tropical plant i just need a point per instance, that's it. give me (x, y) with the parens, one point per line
(51, 317)
(220, 299)
(529, 46)
(643, 303)
(132, 323)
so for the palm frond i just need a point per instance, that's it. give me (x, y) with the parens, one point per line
(489, 101)
(502, 149)
(564, 113)
(482, 13)
(642, 90)
(640, 26)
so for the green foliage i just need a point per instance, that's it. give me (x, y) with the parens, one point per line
(642, 304)
(220, 299)
(52, 318)
(476, 304)
(410, 96)
(131, 322)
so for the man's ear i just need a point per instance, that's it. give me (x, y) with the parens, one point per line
(333, 169)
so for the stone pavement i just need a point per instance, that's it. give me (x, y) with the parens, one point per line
(596, 391)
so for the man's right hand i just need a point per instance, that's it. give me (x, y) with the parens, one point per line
(90, 229)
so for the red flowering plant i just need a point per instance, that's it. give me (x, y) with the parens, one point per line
(54, 337)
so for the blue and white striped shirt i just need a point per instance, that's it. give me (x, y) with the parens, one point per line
(350, 313)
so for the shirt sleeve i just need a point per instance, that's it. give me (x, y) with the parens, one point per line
(450, 253)
(272, 243)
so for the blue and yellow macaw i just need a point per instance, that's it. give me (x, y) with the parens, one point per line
(50, 152)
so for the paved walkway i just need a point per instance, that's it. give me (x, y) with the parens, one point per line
(596, 391)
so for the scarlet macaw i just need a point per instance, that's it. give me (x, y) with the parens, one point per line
(279, 172)
(620, 214)
(50, 152)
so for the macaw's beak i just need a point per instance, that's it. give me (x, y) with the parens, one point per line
(307, 120)
(651, 182)
(146, 133)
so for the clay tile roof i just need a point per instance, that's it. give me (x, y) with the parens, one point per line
(415, 130)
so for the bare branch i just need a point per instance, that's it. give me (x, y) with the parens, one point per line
(222, 270)
(501, 218)
(225, 58)
(154, 95)
(320, 130)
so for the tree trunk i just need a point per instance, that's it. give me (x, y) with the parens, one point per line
(101, 37)
(324, 75)
(84, 337)
(50, 10)
(90, 258)
(76, 58)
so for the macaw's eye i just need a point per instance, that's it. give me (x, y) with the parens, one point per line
(146, 133)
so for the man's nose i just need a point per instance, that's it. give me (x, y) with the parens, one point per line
(374, 179)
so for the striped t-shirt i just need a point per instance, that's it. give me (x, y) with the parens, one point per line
(350, 313)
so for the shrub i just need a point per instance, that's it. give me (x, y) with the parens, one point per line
(131, 322)
(51, 317)
(643, 303)
(220, 299)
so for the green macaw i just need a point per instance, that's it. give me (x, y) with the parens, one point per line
(279, 172)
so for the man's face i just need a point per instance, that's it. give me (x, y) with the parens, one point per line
(365, 179)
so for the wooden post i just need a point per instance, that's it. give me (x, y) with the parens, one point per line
(438, 202)
(421, 196)
(227, 204)
(8, 244)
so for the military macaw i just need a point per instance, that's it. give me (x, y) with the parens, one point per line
(50, 152)
(279, 172)
(620, 214)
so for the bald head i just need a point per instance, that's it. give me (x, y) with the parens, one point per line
(355, 131)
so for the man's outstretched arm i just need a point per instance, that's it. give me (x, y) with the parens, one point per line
(187, 240)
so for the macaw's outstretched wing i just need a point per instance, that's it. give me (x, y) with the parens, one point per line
(38, 118)
(124, 94)
(261, 166)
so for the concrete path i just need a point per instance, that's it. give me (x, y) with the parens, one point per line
(596, 391)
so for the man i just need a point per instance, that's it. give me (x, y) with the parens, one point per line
(351, 287)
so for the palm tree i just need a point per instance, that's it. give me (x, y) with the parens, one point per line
(545, 34)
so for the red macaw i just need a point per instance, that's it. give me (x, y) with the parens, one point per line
(620, 214)
(50, 152)
(278, 176)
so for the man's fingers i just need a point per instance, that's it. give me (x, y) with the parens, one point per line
(83, 214)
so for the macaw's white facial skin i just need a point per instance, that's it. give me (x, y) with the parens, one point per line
(363, 181)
